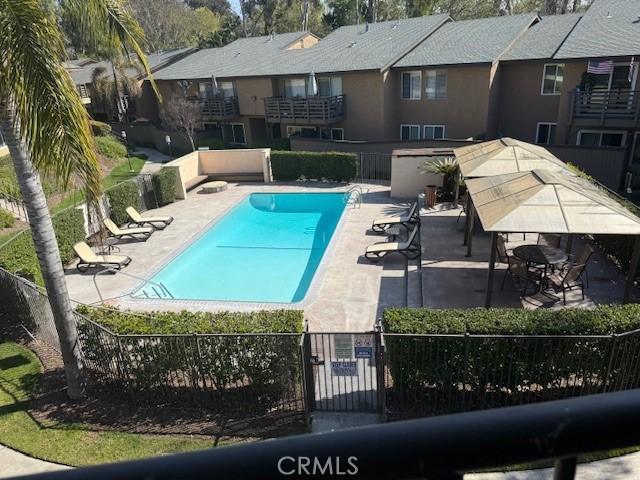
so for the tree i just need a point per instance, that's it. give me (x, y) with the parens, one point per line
(172, 24)
(182, 115)
(112, 86)
(221, 7)
(46, 128)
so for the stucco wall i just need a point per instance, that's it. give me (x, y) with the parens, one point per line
(522, 105)
(464, 112)
(407, 177)
(364, 114)
(251, 93)
(317, 145)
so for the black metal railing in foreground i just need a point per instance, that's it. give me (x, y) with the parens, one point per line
(435, 448)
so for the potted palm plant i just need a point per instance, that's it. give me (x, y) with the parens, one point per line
(448, 168)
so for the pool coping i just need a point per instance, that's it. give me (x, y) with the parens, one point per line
(311, 295)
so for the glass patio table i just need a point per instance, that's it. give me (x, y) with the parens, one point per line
(541, 255)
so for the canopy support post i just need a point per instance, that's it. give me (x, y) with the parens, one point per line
(633, 268)
(569, 243)
(456, 195)
(492, 269)
(466, 220)
(470, 215)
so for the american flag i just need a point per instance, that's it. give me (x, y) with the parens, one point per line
(604, 66)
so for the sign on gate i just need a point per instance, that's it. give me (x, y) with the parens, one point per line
(363, 346)
(344, 369)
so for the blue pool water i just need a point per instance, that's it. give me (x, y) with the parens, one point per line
(266, 249)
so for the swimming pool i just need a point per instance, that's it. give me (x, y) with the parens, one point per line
(266, 249)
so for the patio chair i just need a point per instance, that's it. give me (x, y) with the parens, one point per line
(462, 201)
(521, 273)
(569, 280)
(88, 259)
(412, 218)
(138, 220)
(119, 233)
(549, 239)
(581, 259)
(501, 247)
(409, 248)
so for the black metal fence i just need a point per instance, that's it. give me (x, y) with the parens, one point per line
(374, 166)
(14, 205)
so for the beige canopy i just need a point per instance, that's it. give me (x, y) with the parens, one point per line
(505, 155)
(548, 202)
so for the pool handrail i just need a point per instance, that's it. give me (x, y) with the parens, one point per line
(160, 285)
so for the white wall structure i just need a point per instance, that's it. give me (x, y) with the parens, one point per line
(407, 176)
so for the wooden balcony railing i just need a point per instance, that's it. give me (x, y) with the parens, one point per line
(305, 110)
(218, 108)
(603, 105)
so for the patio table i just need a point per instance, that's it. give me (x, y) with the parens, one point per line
(541, 255)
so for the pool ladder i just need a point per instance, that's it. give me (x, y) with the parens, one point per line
(156, 290)
(353, 196)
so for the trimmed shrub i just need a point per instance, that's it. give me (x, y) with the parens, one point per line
(211, 142)
(123, 195)
(164, 184)
(506, 363)
(19, 256)
(7, 220)
(280, 144)
(100, 129)
(111, 147)
(172, 323)
(335, 166)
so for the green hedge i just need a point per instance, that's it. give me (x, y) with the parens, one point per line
(572, 353)
(281, 144)
(100, 129)
(171, 323)
(19, 256)
(120, 197)
(164, 184)
(111, 147)
(335, 166)
(235, 372)
(603, 320)
(7, 220)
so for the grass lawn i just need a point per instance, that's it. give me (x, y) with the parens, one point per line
(76, 445)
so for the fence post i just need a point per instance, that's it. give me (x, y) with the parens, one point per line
(307, 377)
(614, 348)
(380, 377)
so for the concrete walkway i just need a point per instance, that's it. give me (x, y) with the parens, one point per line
(14, 463)
(155, 159)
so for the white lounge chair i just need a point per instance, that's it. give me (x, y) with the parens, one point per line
(117, 232)
(410, 248)
(380, 225)
(138, 220)
(88, 259)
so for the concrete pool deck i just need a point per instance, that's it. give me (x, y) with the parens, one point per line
(347, 293)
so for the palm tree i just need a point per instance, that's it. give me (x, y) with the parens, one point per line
(47, 131)
(111, 84)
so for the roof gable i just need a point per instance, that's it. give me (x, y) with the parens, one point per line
(544, 38)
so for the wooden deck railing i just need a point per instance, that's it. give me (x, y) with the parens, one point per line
(305, 110)
(218, 108)
(602, 104)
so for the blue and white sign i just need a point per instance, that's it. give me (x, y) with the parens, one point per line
(363, 346)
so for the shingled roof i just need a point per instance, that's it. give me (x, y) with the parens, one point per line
(610, 28)
(469, 41)
(355, 47)
(544, 38)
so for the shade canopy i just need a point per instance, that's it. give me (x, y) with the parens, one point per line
(505, 155)
(542, 201)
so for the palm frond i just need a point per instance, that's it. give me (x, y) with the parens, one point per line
(53, 122)
(107, 24)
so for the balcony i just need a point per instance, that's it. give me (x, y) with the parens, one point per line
(307, 111)
(218, 108)
(606, 107)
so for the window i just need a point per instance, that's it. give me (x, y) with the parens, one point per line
(337, 134)
(595, 138)
(411, 82)
(305, 132)
(436, 84)
(409, 132)
(552, 79)
(226, 89)
(546, 133)
(295, 87)
(329, 86)
(433, 132)
(234, 133)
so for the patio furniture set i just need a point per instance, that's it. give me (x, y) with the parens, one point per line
(392, 227)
